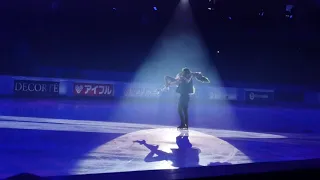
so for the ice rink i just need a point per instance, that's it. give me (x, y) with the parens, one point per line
(67, 137)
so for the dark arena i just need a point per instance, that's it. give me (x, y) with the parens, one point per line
(159, 89)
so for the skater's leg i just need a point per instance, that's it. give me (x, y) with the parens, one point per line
(185, 108)
(181, 113)
(186, 117)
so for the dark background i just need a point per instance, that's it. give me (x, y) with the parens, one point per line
(87, 34)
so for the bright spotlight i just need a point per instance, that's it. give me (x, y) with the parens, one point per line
(54, 5)
(180, 45)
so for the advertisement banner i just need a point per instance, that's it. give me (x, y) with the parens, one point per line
(93, 90)
(289, 97)
(140, 91)
(36, 88)
(223, 94)
(259, 96)
(312, 98)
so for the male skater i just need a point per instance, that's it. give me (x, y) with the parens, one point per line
(185, 87)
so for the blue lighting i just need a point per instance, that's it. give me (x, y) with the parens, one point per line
(261, 13)
(54, 5)
(155, 8)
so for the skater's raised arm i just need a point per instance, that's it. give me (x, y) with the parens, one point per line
(194, 74)
(178, 76)
(200, 77)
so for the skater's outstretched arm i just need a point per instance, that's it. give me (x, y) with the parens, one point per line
(171, 81)
(200, 77)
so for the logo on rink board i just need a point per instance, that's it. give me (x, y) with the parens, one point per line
(36, 88)
(89, 89)
(253, 95)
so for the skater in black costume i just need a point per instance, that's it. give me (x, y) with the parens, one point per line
(184, 81)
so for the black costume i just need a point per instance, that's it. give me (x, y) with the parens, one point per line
(184, 81)
(184, 89)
